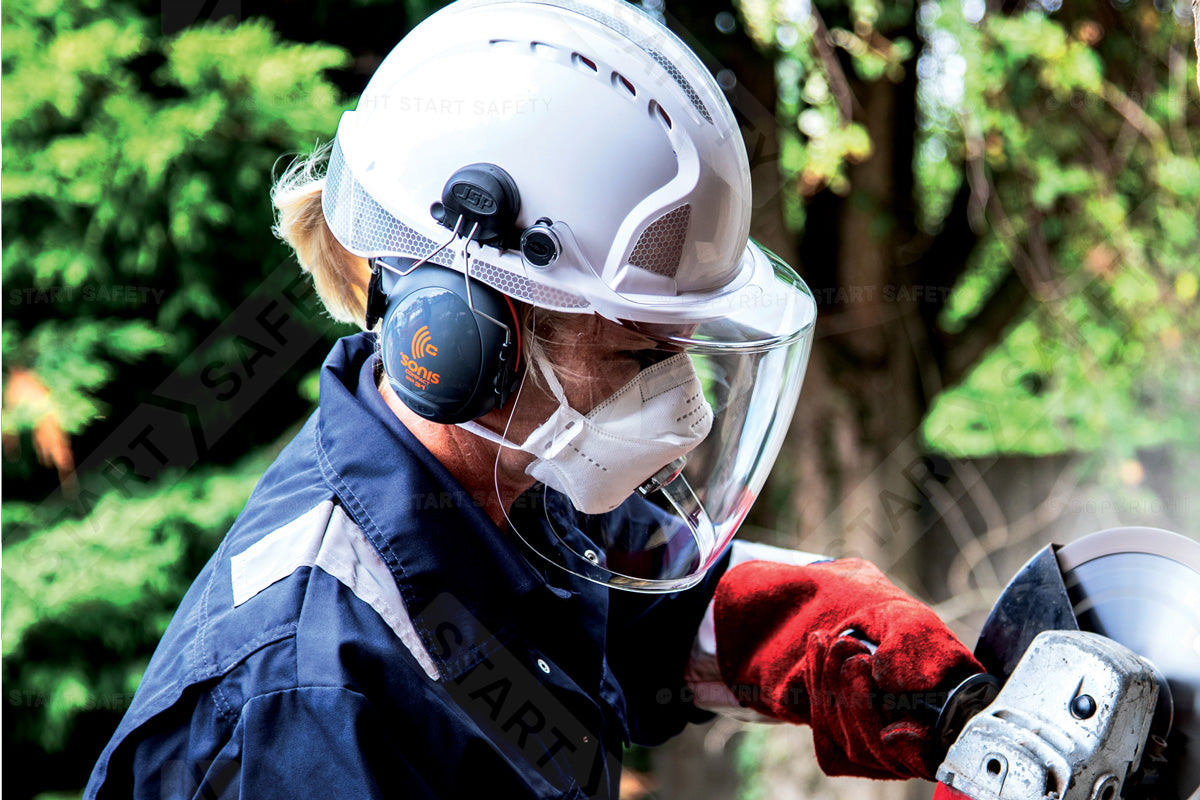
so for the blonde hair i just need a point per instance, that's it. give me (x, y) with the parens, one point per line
(339, 276)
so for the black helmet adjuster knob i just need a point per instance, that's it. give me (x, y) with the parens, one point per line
(540, 244)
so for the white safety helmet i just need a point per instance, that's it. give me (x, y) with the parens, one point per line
(634, 200)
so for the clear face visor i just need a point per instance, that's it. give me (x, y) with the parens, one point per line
(680, 514)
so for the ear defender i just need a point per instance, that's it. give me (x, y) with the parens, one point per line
(451, 345)
(446, 350)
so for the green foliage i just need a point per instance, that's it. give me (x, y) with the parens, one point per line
(126, 547)
(84, 601)
(74, 360)
(137, 170)
(1080, 143)
(750, 756)
(1094, 204)
(813, 98)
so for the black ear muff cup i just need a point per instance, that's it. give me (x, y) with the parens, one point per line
(445, 362)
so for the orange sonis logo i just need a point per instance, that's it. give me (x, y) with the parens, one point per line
(414, 373)
(420, 343)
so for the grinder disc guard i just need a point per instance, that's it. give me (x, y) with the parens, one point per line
(1141, 587)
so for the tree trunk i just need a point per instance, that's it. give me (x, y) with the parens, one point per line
(842, 485)
(839, 486)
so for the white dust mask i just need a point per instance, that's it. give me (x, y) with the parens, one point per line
(600, 458)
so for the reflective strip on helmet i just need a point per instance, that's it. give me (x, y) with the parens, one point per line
(362, 225)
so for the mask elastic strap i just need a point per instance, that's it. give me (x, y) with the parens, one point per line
(543, 365)
(502, 440)
(493, 437)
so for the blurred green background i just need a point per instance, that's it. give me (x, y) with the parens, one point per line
(995, 204)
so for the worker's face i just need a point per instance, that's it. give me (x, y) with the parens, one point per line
(592, 358)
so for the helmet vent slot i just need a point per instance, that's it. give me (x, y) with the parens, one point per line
(682, 82)
(621, 81)
(656, 109)
(508, 45)
(581, 60)
(647, 47)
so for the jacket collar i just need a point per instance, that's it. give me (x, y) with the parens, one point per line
(459, 575)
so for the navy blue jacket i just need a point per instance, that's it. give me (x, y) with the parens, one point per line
(365, 630)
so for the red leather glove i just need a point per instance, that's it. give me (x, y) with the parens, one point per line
(782, 650)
